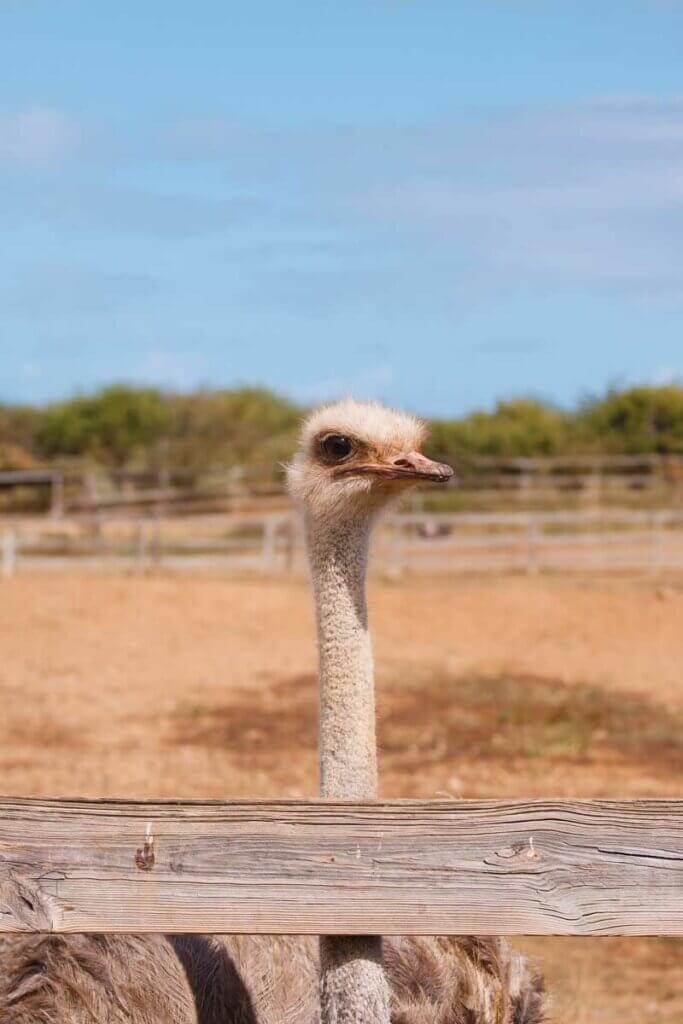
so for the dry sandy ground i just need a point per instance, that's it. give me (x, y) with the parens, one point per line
(204, 687)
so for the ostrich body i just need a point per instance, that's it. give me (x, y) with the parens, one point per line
(196, 979)
(353, 459)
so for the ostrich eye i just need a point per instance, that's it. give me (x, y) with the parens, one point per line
(336, 446)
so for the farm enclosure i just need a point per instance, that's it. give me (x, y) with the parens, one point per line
(165, 686)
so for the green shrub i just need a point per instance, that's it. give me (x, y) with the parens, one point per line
(522, 427)
(641, 420)
(114, 426)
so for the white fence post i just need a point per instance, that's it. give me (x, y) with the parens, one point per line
(290, 542)
(532, 548)
(157, 542)
(9, 553)
(269, 544)
(656, 542)
(141, 545)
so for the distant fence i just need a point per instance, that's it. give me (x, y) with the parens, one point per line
(584, 479)
(533, 543)
(621, 540)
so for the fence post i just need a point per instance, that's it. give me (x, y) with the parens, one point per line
(593, 488)
(532, 548)
(57, 496)
(290, 541)
(157, 540)
(141, 545)
(656, 542)
(9, 553)
(269, 544)
(524, 486)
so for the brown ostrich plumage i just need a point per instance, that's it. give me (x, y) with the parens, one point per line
(193, 979)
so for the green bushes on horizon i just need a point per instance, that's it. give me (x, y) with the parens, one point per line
(116, 426)
(125, 426)
(519, 427)
(637, 421)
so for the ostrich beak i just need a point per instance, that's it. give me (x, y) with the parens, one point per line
(411, 466)
(418, 467)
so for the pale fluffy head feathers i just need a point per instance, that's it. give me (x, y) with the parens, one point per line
(383, 432)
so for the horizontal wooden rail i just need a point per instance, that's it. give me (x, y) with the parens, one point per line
(560, 867)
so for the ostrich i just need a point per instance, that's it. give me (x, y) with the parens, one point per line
(353, 460)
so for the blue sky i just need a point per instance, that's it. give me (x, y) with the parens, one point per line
(433, 203)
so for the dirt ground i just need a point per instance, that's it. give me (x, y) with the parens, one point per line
(205, 687)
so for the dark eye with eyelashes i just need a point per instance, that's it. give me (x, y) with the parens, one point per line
(336, 446)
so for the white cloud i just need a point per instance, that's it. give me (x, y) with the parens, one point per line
(589, 193)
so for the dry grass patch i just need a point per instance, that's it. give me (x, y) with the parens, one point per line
(462, 734)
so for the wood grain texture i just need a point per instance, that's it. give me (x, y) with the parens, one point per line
(564, 867)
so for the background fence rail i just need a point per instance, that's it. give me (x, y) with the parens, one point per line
(615, 540)
(75, 488)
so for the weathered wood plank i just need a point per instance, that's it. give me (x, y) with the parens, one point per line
(562, 867)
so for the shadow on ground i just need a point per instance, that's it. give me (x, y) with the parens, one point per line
(431, 720)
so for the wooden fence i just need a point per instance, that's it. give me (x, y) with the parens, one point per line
(618, 540)
(588, 479)
(553, 867)
(568, 541)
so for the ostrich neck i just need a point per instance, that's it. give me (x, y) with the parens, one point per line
(347, 745)
(353, 988)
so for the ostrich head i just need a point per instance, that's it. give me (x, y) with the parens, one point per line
(355, 457)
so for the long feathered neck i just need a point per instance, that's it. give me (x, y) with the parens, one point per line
(354, 988)
(347, 747)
